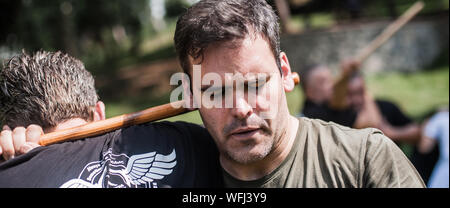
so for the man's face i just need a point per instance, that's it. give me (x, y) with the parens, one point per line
(242, 132)
(320, 85)
(356, 92)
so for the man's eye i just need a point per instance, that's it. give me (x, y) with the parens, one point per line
(256, 85)
(218, 93)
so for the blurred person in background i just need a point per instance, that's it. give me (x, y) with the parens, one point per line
(391, 119)
(436, 132)
(361, 109)
(319, 89)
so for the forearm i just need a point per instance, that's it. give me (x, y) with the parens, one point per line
(409, 134)
(348, 68)
(339, 93)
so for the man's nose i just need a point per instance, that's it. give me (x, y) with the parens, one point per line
(242, 109)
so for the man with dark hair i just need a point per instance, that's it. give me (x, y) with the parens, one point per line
(54, 91)
(256, 150)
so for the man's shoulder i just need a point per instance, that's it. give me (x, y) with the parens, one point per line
(366, 153)
(337, 138)
(331, 130)
(172, 132)
(181, 127)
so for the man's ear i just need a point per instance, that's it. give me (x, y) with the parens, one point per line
(99, 113)
(288, 81)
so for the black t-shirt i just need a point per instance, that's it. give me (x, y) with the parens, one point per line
(346, 117)
(392, 113)
(178, 155)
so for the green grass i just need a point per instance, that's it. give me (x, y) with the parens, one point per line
(416, 93)
(317, 20)
(192, 117)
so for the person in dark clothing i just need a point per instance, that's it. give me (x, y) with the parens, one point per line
(152, 155)
(360, 110)
(397, 125)
(387, 115)
(317, 85)
(391, 120)
(323, 112)
(53, 91)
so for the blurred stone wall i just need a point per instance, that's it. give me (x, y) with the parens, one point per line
(414, 47)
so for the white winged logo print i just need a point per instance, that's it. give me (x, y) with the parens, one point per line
(141, 170)
(146, 168)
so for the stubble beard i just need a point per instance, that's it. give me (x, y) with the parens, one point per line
(244, 154)
(249, 151)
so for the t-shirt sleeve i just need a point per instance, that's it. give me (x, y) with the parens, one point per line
(386, 166)
(205, 155)
(346, 117)
(393, 114)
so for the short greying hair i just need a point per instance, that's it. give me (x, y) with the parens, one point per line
(212, 21)
(45, 89)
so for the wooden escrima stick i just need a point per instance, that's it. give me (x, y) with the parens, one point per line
(111, 124)
(338, 101)
(389, 31)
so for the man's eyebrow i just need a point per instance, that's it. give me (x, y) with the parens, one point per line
(258, 79)
(214, 87)
(246, 82)
(211, 88)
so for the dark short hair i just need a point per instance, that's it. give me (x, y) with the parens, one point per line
(212, 21)
(45, 89)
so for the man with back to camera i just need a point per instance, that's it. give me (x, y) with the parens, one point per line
(55, 91)
(260, 144)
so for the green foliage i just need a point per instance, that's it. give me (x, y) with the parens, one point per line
(175, 7)
(98, 32)
(416, 93)
(380, 9)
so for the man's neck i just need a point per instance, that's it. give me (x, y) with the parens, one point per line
(268, 164)
(66, 125)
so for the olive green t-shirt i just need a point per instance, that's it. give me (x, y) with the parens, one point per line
(326, 155)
